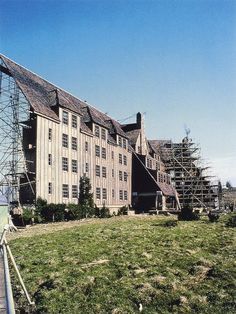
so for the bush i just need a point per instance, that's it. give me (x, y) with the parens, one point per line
(231, 222)
(27, 215)
(213, 217)
(122, 211)
(188, 214)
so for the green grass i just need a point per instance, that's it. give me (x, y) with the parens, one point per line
(114, 265)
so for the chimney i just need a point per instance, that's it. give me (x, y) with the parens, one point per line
(140, 125)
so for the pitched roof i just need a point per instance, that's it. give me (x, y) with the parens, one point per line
(44, 96)
(133, 136)
(41, 94)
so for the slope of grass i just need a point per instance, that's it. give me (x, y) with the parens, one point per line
(121, 265)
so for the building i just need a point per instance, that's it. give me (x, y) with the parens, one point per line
(63, 138)
(189, 177)
(151, 184)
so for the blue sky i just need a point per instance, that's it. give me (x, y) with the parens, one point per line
(173, 60)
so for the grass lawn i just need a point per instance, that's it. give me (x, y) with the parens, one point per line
(123, 264)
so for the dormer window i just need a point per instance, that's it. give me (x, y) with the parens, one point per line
(124, 143)
(103, 134)
(120, 141)
(97, 131)
(65, 117)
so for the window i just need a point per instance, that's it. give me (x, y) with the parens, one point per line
(104, 194)
(97, 150)
(112, 154)
(125, 195)
(98, 193)
(65, 117)
(97, 131)
(104, 155)
(124, 143)
(50, 159)
(74, 122)
(64, 140)
(120, 141)
(49, 187)
(50, 134)
(121, 194)
(103, 134)
(113, 193)
(74, 165)
(86, 146)
(120, 159)
(104, 172)
(64, 164)
(65, 190)
(86, 167)
(125, 160)
(120, 175)
(74, 143)
(74, 191)
(125, 176)
(113, 173)
(97, 171)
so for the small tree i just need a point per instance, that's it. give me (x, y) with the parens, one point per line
(86, 197)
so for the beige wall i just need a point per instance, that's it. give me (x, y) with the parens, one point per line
(46, 173)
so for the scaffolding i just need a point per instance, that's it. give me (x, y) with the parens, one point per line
(189, 176)
(14, 114)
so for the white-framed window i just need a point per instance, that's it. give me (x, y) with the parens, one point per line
(104, 194)
(65, 117)
(113, 193)
(120, 176)
(64, 164)
(125, 176)
(120, 159)
(121, 195)
(49, 134)
(86, 146)
(65, 190)
(97, 130)
(98, 193)
(74, 191)
(112, 154)
(74, 121)
(124, 143)
(103, 134)
(74, 143)
(49, 187)
(49, 159)
(97, 170)
(97, 150)
(104, 154)
(113, 173)
(86, 167)
(125, 195)
(125, 160)
(104, 172)
(65, 140)
(74, 165)
(120, 141)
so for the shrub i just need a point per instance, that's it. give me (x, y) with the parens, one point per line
(104, 212)
(27, 215)
(122, 211)
(213, 217)
(188, 214)
(231, 222)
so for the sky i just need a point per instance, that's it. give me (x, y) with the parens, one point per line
(174, 61)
